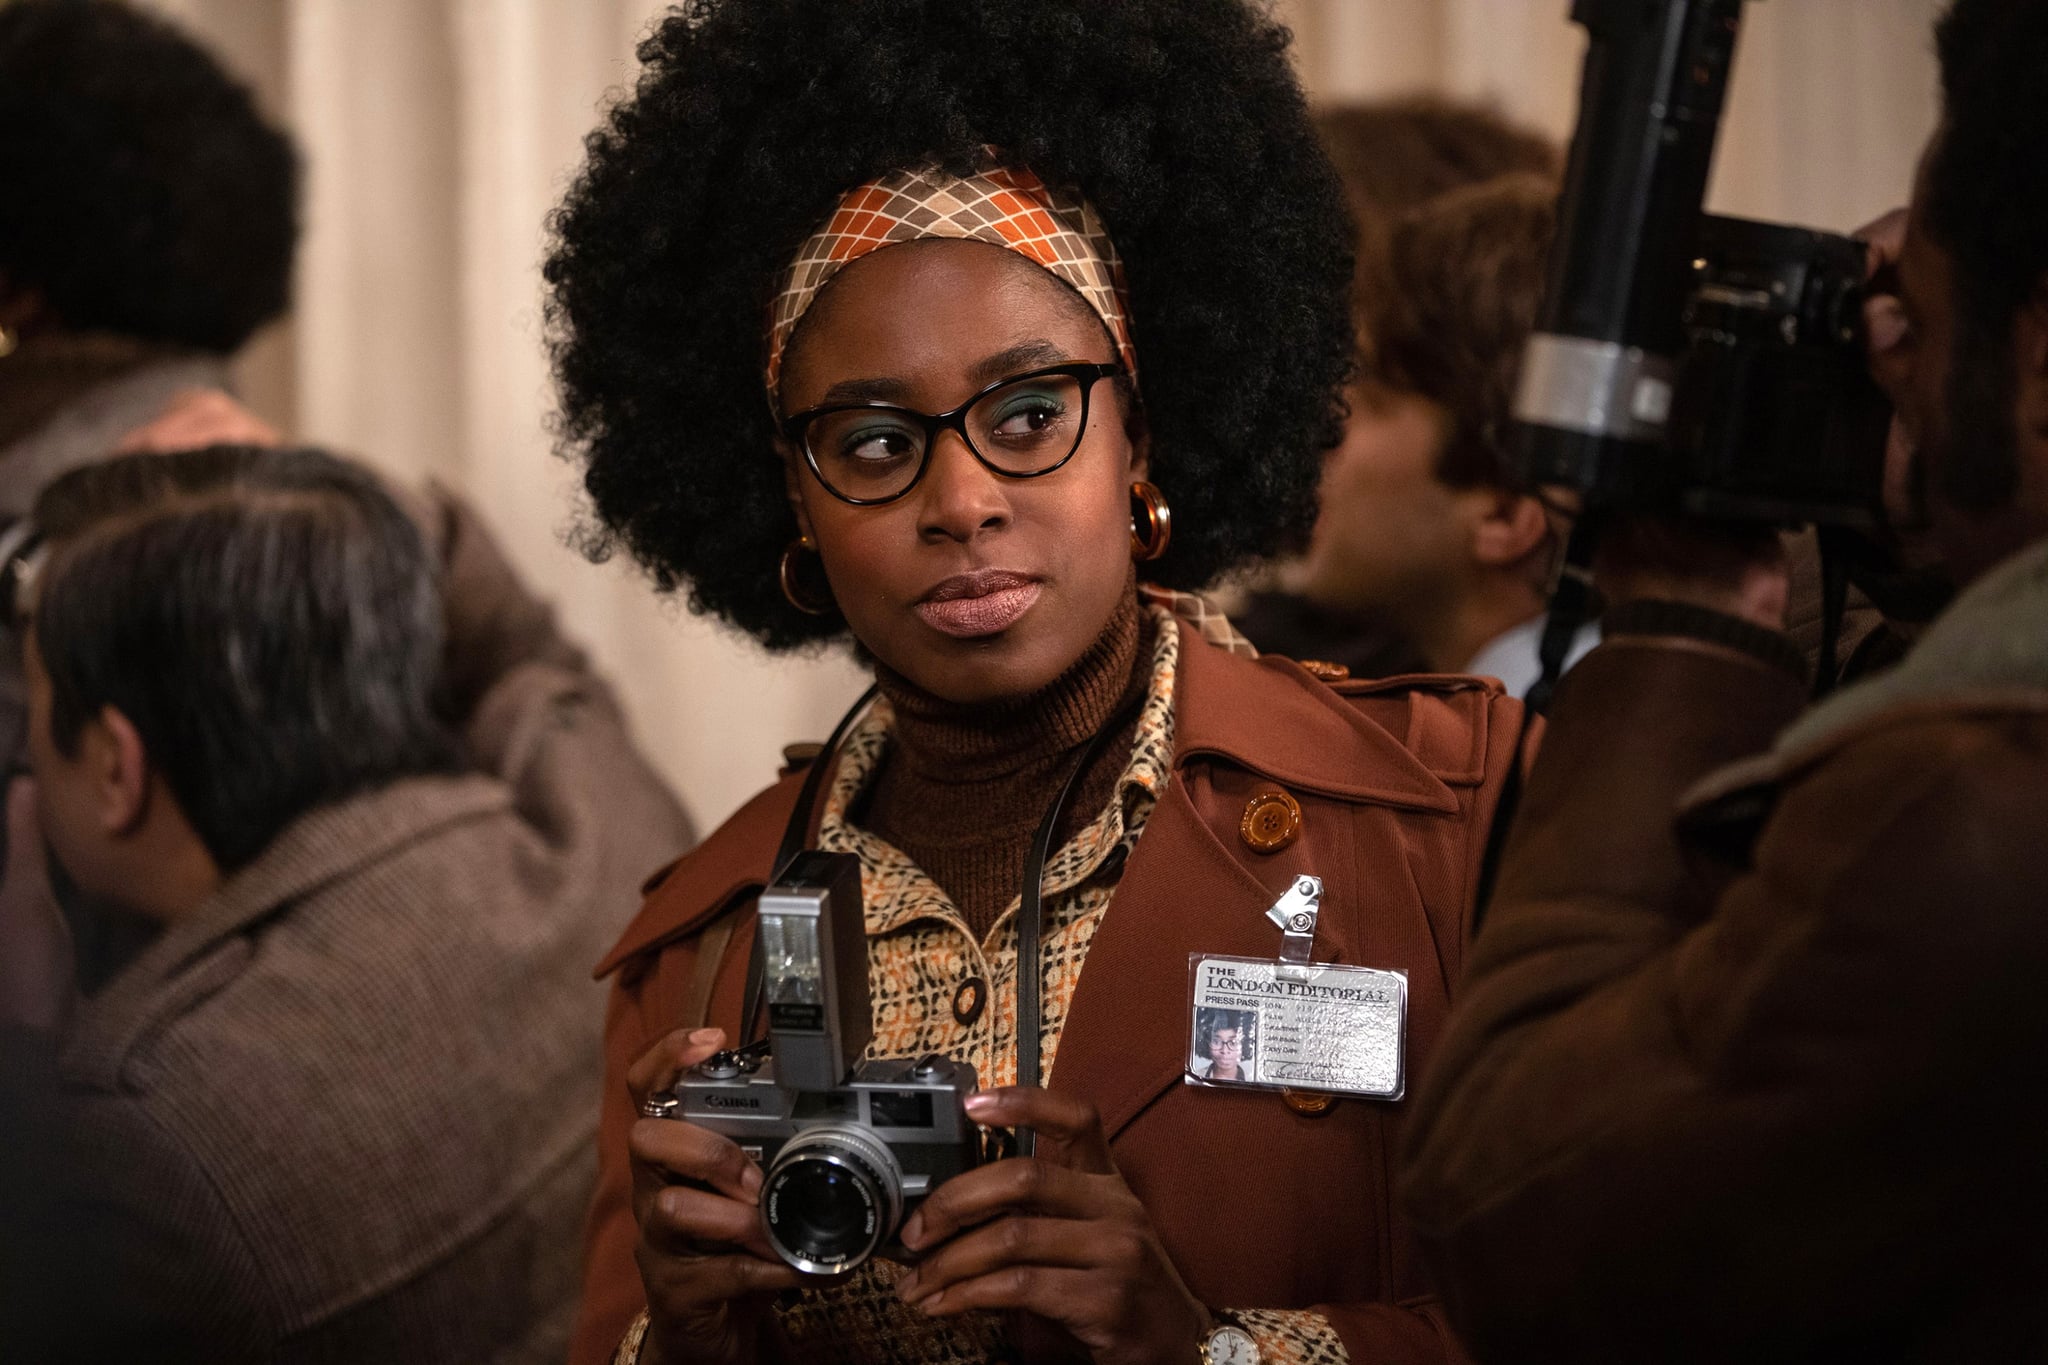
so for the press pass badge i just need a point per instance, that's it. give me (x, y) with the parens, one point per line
(1289, 1023)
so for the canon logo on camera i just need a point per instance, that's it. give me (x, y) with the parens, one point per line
(732, 1102)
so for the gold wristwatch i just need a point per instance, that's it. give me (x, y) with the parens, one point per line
(1228, 1344)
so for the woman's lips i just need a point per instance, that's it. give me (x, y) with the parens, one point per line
(974, 604)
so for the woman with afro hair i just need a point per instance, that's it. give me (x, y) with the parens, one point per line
(980, 334)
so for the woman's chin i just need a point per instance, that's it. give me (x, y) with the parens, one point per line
(987, 669)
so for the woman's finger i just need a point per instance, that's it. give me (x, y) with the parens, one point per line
(659, 1068)
(679, 1284)
(1069, 1130)
(1019, 1185)
(1067, 1242)
(671, 1149)
(684, 1221)
(1070, 1297)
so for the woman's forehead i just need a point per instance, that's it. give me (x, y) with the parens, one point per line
(934, 312)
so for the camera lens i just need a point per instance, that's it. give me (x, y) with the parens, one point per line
(831, 1196)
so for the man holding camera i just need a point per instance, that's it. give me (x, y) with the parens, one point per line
(1742, 1068)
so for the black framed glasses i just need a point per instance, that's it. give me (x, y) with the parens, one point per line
(1021, 427)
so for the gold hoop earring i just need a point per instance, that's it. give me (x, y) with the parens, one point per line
(792, 585)
(1151, 522)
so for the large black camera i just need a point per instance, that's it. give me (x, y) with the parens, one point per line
(847, 1148)
(1685, 363)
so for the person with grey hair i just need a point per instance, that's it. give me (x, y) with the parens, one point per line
(340, 1107)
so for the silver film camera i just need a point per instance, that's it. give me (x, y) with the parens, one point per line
(848, 1148)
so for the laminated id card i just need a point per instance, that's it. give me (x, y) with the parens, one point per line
(1257, 1022)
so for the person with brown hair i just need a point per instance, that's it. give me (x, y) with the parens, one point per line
(1396, 154)
(1424, 526)
(1396, 158)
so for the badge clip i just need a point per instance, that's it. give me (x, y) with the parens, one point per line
(1295, 914)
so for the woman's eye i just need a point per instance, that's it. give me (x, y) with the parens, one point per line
(877, 445)
(1028, 416)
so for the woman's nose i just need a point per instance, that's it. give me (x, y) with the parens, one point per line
(961, 497)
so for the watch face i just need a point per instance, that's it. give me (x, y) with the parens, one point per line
(1232, 1346)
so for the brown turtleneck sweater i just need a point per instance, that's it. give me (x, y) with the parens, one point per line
(963, 788)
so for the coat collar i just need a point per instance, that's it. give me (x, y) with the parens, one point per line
(733, 864)
(1270, 716)
(312, 852)
(1127, 1027)
(1267, 715)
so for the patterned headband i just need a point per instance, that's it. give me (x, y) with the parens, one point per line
(1005, 206)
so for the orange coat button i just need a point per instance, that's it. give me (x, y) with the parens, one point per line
(1309, 1103)
(1325, 670)
(1272, 821)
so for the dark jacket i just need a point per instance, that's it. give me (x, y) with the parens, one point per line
(1396, 782)
(1761, 1081)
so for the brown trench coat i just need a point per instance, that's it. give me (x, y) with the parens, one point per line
(1259, 1206)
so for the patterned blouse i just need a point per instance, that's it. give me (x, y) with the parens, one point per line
(920, 952)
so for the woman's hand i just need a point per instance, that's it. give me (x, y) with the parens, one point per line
(1059, 1235)
(704, 1260)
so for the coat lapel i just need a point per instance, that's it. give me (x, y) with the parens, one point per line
(734, 863)
(1127, 1030)
(1126, 1026)
(1184, 892)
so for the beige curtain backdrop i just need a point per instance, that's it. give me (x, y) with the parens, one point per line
(438, 133)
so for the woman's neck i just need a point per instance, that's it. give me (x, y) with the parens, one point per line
(964, 786)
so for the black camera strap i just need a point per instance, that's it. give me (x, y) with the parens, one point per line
(1031, 925)
(1571, 606)
(1834, 606)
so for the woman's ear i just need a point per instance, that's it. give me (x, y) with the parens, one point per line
(793, 487)
(1138, 434)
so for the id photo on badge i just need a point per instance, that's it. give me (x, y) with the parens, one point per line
(1225, 1050)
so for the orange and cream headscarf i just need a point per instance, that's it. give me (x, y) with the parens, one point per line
(1003, 205)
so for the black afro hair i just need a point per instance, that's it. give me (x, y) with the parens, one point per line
(1180, 119)
(140, 191)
